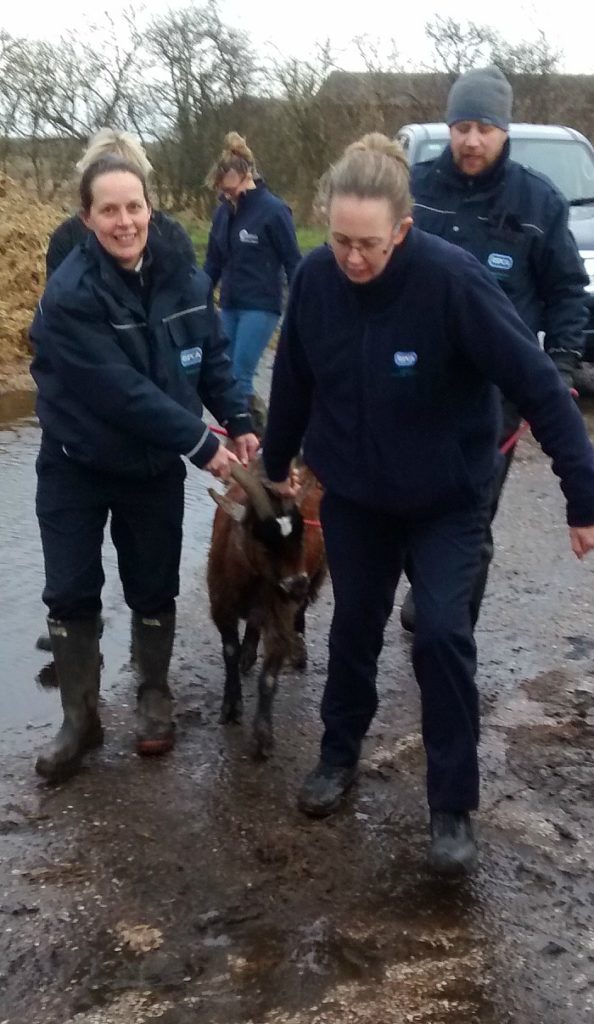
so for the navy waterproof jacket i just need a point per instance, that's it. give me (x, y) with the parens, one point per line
(72, 232)
(514, 221)
(248, 249)
(389, 385)
(121, 381)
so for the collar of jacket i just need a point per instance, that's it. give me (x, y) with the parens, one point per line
(247, 198)
(164, 263)
(381, 290)
(493, 176)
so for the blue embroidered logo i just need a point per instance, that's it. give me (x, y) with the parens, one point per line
(497, 261)
(191, 357)
(405, 360)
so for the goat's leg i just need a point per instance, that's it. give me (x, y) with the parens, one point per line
(299, 652)
(277, 634)
(267, 687)
(249, 646)
(232, 704)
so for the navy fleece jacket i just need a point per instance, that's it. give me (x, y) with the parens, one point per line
(390, 384)
(248, 249)
(121, 381)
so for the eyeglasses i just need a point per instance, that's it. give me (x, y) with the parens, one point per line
(366, 247)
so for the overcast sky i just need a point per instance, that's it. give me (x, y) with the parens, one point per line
(294, 28)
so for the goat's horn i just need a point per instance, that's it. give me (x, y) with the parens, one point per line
(256, 491)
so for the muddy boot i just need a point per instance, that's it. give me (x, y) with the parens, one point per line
(407, 613)
(75, 646)
(44, 643)
(152, 644)
(453, 847)
(324, 788)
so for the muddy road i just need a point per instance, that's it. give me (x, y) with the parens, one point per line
(191, 890)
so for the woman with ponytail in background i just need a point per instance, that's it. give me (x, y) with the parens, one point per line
(252, 240)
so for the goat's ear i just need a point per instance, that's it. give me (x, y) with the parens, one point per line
(232, 508)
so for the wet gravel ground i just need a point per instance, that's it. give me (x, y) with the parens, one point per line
(191, 890)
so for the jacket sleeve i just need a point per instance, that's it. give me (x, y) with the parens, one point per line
(213, 264)
(290, 395)
(561, 280)
(61, 242)
(284, 240)
(85, 355)
(486, 326)
(218, 388)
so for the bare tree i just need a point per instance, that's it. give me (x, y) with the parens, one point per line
(204, 67)
(458, 45)
(308, 126)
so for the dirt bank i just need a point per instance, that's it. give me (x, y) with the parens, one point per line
(25, 227)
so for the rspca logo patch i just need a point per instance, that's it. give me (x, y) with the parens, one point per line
(190, 358)
(497, 261)
(405, 360)
(246, 237)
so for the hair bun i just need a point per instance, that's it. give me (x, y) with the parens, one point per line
(235, 144)
(375, 142)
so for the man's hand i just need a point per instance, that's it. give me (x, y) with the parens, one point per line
(246, 447)
(581, 539)
(221, 462)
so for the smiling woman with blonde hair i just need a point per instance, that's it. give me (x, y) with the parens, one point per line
(73, 231)
(128, 351)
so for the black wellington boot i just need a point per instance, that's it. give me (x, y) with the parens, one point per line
(152, 644)
(75, 646)
(453, 847)
(324, 788)
(44, 640)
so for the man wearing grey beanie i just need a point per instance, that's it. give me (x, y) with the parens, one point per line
(515, 222)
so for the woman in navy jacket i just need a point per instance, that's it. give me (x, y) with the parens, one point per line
(252, 240)
(126, 351)
(391, 344)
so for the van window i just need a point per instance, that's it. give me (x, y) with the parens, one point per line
(430, 149)
(568, 164)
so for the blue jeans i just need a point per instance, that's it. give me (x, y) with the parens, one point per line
(248, 332)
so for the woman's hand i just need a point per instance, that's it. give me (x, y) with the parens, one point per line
(246, 446)
(221, 462)
(581, 539)
(288, 488)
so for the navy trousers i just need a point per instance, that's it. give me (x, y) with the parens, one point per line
(365, 551)
(73, 504)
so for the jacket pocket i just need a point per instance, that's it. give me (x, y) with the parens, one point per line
(506, 255)
(188, 332)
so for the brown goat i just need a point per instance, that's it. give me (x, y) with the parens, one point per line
(265, 566)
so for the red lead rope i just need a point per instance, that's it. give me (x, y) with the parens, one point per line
(517, 434)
